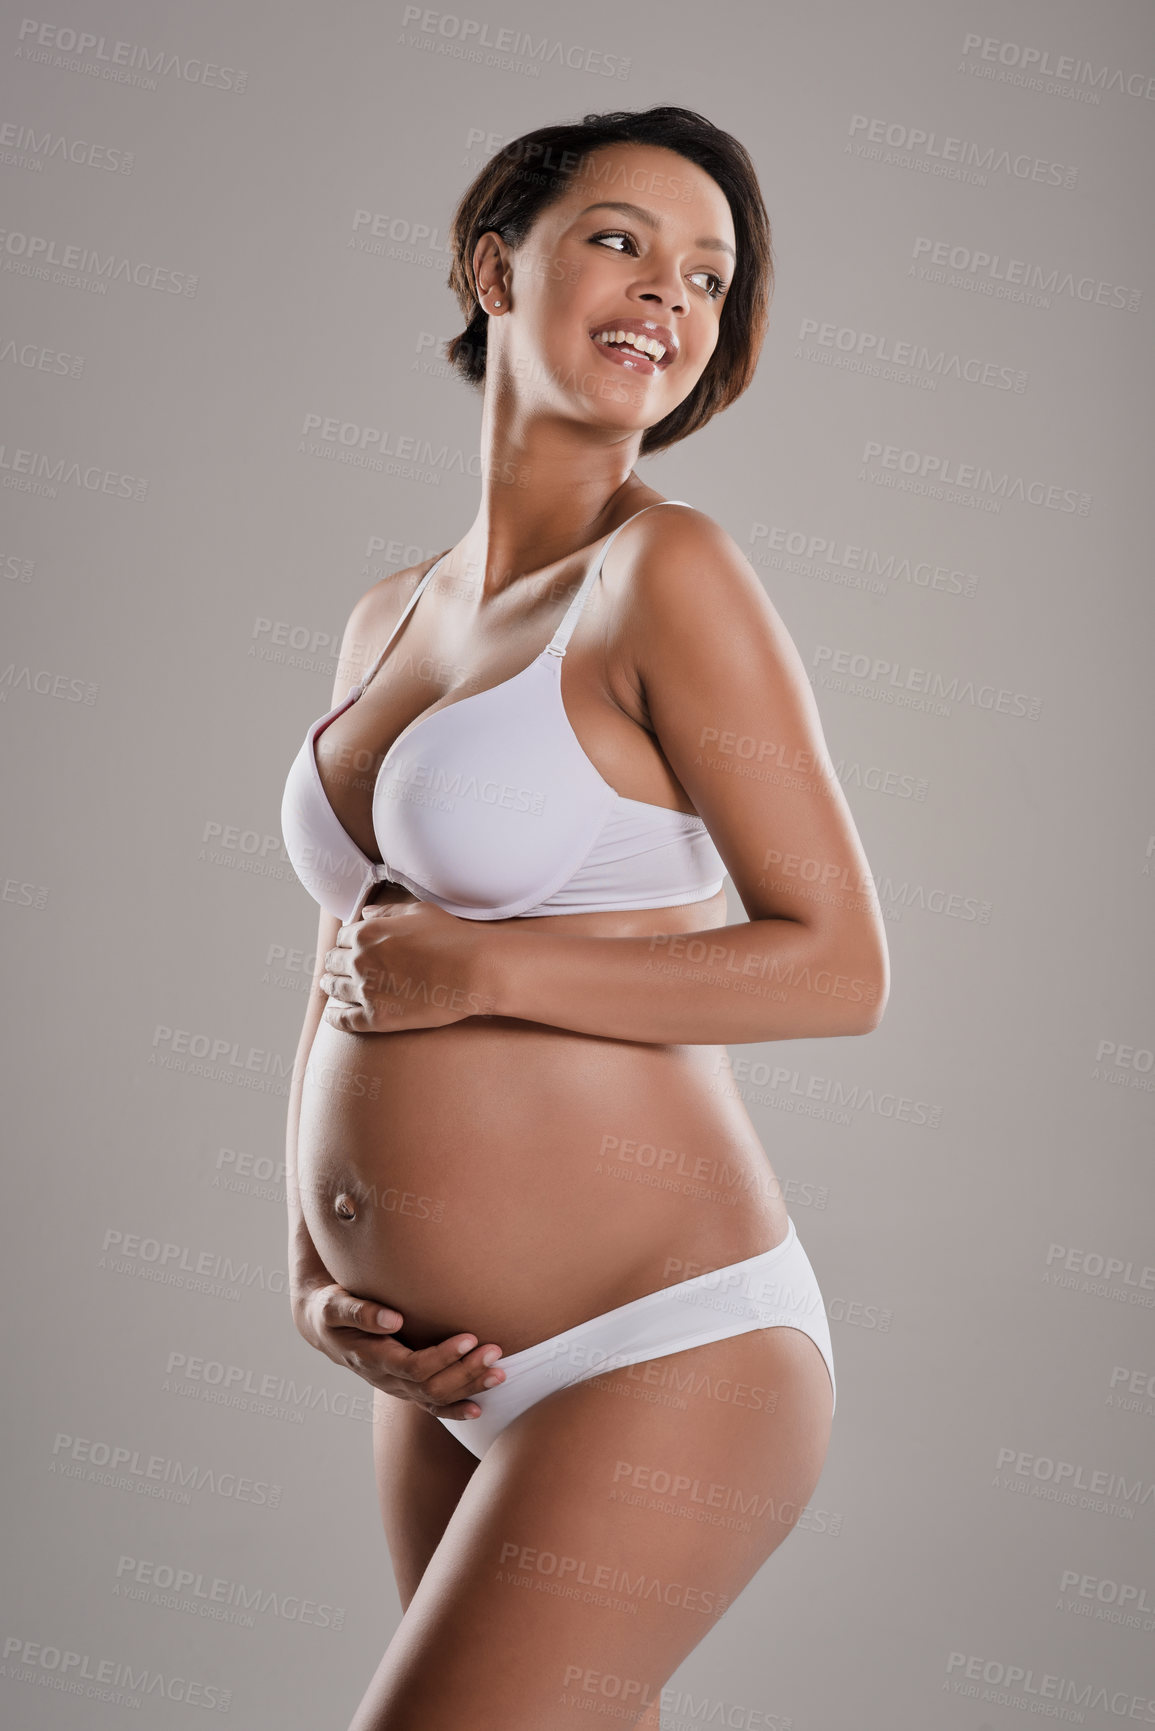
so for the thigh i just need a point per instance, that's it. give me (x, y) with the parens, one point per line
(602, 1536)
(421, 1472)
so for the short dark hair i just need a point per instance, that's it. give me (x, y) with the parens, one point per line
(533, 171)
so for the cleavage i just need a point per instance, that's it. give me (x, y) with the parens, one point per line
(349, 760)
(347, 756)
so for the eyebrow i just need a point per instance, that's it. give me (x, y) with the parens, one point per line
(636, 211)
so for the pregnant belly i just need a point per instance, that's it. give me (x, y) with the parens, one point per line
(511, 1179)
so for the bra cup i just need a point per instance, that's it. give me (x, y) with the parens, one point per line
(491, 808)
(321, 853)
(490, 803)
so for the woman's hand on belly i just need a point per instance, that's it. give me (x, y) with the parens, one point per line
(404, 965)
(348, 1330)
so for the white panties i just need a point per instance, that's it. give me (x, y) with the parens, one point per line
(775, 1289)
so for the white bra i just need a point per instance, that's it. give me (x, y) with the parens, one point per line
(490, 808)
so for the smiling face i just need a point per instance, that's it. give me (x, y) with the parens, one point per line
(611, 304)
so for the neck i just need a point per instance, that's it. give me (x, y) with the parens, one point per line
(548, 489)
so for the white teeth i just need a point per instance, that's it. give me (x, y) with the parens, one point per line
(645, 345)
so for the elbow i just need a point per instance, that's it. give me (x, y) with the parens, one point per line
(869, 979)
(871, 1013)
(876, 992)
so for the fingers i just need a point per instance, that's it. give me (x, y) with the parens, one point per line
(337, 979)
(340, 987)
(348, 1017)
(438, 1377)
(343, 1310)
(447, 1376)
(457, 1409)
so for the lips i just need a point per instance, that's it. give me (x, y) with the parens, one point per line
(635, 359)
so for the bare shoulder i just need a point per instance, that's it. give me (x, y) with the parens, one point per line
(371, 619)
(683, 575)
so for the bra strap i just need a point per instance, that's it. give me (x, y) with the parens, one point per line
(405, 612)
(557, 643)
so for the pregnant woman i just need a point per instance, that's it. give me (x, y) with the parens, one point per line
(527, 1204)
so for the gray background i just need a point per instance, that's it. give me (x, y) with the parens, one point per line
(178, 557)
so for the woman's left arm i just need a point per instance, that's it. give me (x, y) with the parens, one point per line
(732, 709)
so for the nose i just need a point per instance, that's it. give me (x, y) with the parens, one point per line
(664, 289)
(671, 302)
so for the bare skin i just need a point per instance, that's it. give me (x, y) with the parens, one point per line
(488, 1174)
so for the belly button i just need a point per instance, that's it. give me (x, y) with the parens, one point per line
(345, 1206)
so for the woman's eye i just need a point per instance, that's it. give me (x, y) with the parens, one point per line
(715, 293)
(614, 234)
